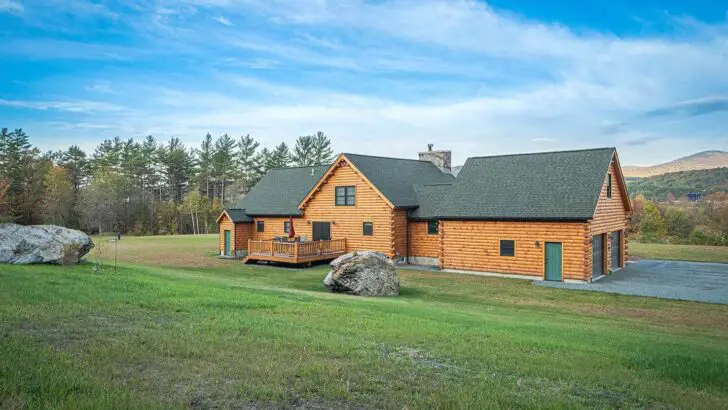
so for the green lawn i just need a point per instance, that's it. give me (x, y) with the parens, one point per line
(211, 333)
(694, 253)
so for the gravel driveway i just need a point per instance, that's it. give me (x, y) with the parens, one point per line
(702, 282)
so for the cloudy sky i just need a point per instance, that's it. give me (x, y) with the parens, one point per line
(381, 77)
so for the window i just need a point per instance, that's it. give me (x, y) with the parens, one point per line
(260, 226)
(345, 195)
(368, 229)
(433, 228)
(507, 247)
(609, 185)
(286, 226)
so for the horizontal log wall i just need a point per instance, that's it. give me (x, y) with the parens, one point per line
(226, 225)
(241, 236)
(475, 245)
(421, 244)
(399, 232)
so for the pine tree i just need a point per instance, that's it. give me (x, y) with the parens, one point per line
(322, 152)
(205, 166)
(176, 168)
(303, 152)
(223, 162)
(248, 167)
(262, 160)
(74, 160)
(280, 157)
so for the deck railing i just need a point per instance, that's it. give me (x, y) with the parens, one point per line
(296, 250)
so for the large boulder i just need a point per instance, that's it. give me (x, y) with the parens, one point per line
(364, 274)
(22, 245)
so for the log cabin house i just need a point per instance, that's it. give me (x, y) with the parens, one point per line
(551, 216)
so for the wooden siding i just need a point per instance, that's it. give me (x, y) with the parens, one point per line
(347, 221)
(611, 215)
(239, 235)
(420, 243)
(475, 245)
(399, 232)
(274, 227)
(225, 225)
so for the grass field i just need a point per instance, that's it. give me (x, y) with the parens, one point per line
(175, 327)
(694, 253)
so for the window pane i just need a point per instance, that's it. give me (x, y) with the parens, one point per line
(609, 186)
(507, 248)
(260, 226)
(286, 226)
(368, 228)
(432, 228)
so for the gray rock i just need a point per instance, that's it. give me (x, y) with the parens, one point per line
(364, 274)
(23, 245)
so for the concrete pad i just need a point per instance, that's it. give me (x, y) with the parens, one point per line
(701, 282)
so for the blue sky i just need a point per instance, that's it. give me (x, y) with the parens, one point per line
(381, 77)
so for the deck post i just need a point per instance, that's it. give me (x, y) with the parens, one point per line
(295, 251)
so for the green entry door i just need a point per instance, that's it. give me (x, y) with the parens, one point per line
(227, 243)
(553, 261)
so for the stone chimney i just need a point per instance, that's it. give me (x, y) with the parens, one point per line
(441, 158)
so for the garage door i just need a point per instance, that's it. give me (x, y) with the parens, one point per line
(615, 239)
(597, 256)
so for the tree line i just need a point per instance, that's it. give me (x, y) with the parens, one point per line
(704, 223)
(140, 186)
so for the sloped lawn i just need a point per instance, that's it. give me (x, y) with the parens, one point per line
(236, 336)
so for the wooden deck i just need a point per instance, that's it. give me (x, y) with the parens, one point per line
(294, 252)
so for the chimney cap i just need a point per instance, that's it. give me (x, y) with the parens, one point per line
(429, 147)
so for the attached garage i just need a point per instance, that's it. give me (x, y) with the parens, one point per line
(615, 239)
(597, 256)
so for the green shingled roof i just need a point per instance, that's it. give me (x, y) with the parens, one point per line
(561, 185)
(543, 186)
(238, 215)
(280, 191)
(431, 199)
(395, 178)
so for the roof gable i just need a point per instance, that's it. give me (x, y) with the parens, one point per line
(280, 190)
(392, 178)
(562, 185)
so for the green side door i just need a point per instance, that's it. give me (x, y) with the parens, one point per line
(227, 243)
(553, 261)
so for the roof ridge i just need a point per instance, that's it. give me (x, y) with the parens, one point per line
(382, 157)
(299, 167)
(544, 152)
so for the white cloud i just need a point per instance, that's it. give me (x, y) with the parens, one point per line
(69, 106)
(384, 77)
(11, 6)
(224, 21)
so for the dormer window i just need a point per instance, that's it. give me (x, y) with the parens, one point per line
(345, 195)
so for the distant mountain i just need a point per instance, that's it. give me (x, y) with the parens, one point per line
(656, 188)
(701, 160)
